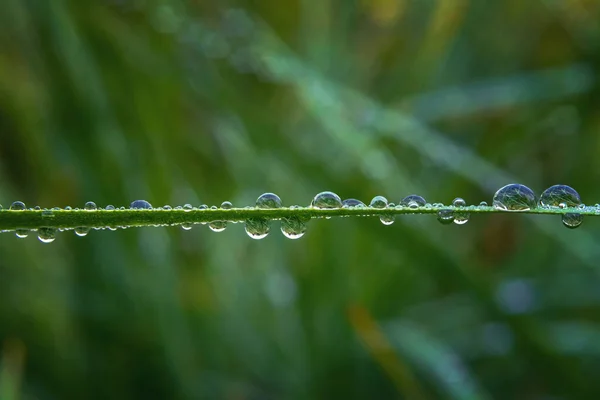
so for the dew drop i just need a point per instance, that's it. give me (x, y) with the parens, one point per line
(413, 201)
(514, 197)
(18, 206)
(445, 217)
(378, 202)
(140, 205)
(186, 227)
(268, 200)
(387, 219)
(226, 205)
(187, 207)
(326, 200)
(258, 228)
(349, 203)
(459, 202)
(167, 207)
(572, 220)
(110, 207)
(47, 235)
(483, 204)
(22, 233)
(293, 227)
(202, 207)
(179, 208)
(217, 226)
(82, 230)
(460, 217)
(556, 195)
(90, 206)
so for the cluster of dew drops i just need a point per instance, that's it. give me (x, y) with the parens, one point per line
(512, 198)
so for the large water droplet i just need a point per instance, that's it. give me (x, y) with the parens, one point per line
(413, 201)
(90, 206)
(327, 200)
(558, 195)
(572, 220)
(187, 207)
(460, 217)
(140, 205)
(445, 217)
(217, 226)
(18, 206)
(293, 227)
(258, 228)
(268, 200)
(109, 207)
(226, 205)
(82, 230)
(22, 233)
(46, 235)
(353, 203)
(514, 197)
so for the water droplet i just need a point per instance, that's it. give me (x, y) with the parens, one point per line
(268, 200)
(37, 208)
(186, 227)
(572, 220)
(226, 205)
(514, 197)
(90, 206)
(387, 219)
(258, 228)
(413, 201)
(581, 206)
(202, 207)
(140, 205)
(327, 200)
(483, 204)
(217, 226)
(22, 233)
(460, 217)
(110, 207)
(18, 206)
(349, 203)
(562, 196)
(179, 208)
(167, 207)
(293, 227)
(378, 202)
(459, 202)
(82, 230)
(47, 235)
(445, 217)
(187, 207)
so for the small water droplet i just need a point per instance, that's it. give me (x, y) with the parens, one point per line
(413, 201)
(325, 200)
(47, 214)
(217, 226)
(483, 204)
(226, 205)
(572, 220)
(459, 202)
(378, 202)
(203, 207)
(186, 227)
(18, 206)
(349, 203)
(90, 206)
(68, 208)
(445, 217)
(46, 235)
(581, 206)
(179, 208)
(37, 208)
(22, 233)
(110, 207)
(187, 207)
(258, 228)
(167, 207)
(387, 219)
(293, 227)
(268, 200)
(82, 230)
(140, 205)
(514, 197)
(562, 196)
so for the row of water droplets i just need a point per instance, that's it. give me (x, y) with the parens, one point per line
(512, 198)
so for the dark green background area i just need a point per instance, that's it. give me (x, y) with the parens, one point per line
(204, 101)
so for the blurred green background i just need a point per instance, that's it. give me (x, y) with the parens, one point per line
(204, 101)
